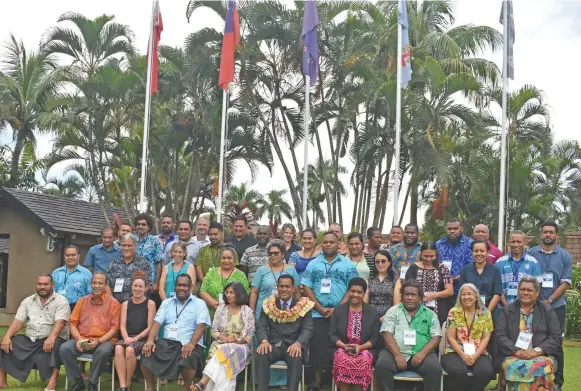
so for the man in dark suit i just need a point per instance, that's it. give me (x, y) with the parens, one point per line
(283, 340)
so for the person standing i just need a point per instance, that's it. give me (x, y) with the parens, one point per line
(167, 236)
(45, 316)
(301, 259)
(481, 232)
(356, 256)
(149, 248)
(454, 250)
(100, 255)
(124, 229)
(256, 256)
(72, 280)
(121, 270)
(209, 256)
(374, 244)
(381, 287)
(337, 230)
(557, 275)
(325, 283)
(407, 252)
(514, 266)
(94, 325)
(288, 233)
(411, 333)
(200, 240)
(396, 235)
(241, 239)
(193, 246)
(178, 265)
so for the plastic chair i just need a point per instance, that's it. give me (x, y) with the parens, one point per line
(87, 357)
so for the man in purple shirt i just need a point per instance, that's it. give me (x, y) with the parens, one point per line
(454, 250)
(481, 233)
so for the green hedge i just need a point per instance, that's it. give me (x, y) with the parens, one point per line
(573, 327)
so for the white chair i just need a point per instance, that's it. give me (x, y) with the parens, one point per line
(87, 357)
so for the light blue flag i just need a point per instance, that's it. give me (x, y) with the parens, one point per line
(510, 37)
(406, 49)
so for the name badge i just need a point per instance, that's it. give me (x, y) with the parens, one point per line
(512, 289)
(483, 299)
(448, 264)
(172, 331)
(274, 291)
(409, 337)
(548, 280)
(119, 285)
(62, 292)
(524, 340)
(431, 304)
(325, 285)
(469, 348)
(404, 270)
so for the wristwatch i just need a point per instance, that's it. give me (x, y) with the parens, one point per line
(550, 300)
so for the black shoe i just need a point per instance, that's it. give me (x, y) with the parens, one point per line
(92, 387)
(78, 386)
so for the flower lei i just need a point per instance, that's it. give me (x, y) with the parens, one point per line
(300, 309)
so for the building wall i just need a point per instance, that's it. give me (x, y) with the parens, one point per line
(27, 258)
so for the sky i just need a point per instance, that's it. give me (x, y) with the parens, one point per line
(547, 54)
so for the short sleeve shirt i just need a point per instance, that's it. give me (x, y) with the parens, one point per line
(512, 271)
(340, 271)
(459, 254)
(489, 283)
(208, 257)
(186, 316)
(99, 257)
(557, 263)
(469, 332)
(150, 249)
(253, 258)
(118, 269)
(40, 319)
(402, 255)
(241, 245)
(95, 317)
(193, 247)
(425, 323)
(72, 285)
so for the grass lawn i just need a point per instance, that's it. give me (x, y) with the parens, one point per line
(572, 374)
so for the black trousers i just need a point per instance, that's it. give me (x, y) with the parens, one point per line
(560, 356)
(429, 369)
(320, 344)
(458, 372)
(262, 364)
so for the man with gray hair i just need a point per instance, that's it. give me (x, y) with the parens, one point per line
(514, 266)
(481, 232)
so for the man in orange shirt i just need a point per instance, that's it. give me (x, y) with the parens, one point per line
(93, 325)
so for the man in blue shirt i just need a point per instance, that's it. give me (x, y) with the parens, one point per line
(72, 280)
(557, 275)
(167, 236)
(149, 248)
(325, 282)
(514, 266)
(184, 319)
(100, 255)
(454, 250)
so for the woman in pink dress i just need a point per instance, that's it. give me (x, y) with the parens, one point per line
(354, 331)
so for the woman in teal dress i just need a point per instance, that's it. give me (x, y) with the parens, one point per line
(178, 265)
(264, 285)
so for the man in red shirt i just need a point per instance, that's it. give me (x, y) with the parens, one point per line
(481, 233)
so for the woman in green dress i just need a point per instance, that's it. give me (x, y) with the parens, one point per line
(217, 278)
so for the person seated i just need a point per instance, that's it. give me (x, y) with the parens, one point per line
(354, 330)
(45, 316)
(411, 333)
(137, 315)
(468, 335)
(94, 325)
(528, 336)
(232, 331)
(184, 318)
(284, 327)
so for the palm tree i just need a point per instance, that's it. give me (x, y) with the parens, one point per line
(275, 207)
(28, 82)
(242, 195)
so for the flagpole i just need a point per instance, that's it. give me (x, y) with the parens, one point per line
(397, 122)
(142, 204)
(222, 143)
(306, 147)
(501, 202)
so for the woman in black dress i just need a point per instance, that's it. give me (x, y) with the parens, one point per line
(137, 315)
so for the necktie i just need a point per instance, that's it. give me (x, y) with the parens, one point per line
(285, 306)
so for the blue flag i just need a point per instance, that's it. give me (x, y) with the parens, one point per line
(510, 37)
(310, 44)
(406, 51)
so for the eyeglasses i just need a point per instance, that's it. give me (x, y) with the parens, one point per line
(381, 261)
(273, 254)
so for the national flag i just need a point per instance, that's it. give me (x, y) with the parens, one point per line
(310, 44)
(229, 44)
(406, 51)
(510, 37)
(157, 29)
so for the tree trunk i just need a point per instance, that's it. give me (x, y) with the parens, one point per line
(323, 177)
(405, 203)
(362, 203)
(15, 163)
(378, 206)
(290, 143)
(368, 206)
(413, 201)
(355, 203)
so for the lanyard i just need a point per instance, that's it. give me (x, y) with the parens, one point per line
(328, 270)
(528, 322)
(173, 275)
(515, 271)
(405, 314)
(471, 324)
(274, 276)
(178, 315)
(548, 262)
(225, 280)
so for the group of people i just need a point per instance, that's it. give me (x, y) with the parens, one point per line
(193, 303)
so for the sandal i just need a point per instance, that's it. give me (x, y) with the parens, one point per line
(181, 381)
(199, 386)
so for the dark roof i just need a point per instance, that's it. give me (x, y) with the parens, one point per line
(61, 213)
(4, 245)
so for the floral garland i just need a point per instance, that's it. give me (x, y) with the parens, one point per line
(300, 309)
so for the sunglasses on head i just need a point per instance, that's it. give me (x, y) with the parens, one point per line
(274, 254)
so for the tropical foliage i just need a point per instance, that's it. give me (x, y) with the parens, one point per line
(92, 103)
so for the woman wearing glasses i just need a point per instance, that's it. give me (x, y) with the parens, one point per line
(380, 292)
(264, 285)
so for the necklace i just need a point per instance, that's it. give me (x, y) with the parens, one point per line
(311, 255)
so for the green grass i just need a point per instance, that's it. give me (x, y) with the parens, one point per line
(572, 373)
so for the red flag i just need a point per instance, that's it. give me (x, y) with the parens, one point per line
(229, 43)
(157, 29)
